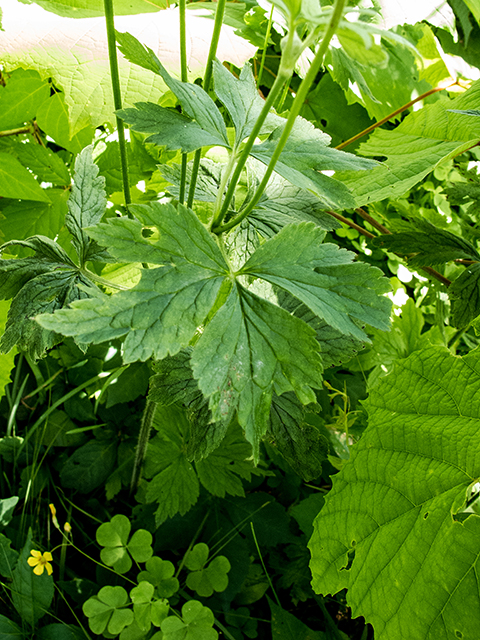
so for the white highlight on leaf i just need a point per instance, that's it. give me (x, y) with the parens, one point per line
(75, 53)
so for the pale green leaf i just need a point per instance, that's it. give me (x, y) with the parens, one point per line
(169, 128)
(92, 8)
(43, 162)
(20, 98)
(464, 293)
(248, 346)
(160, 573)
(17, 182)
(75, 54)
(7, 360)
(414, 148)
(406, 539)
(53, 119)
(106, 610)
(305, 155)
(196, 103)
(196, 624)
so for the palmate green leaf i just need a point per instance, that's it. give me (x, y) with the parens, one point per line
(424, 139)
(406, 539)
(324, 278)
(106, 611)
(249, 347)
(160, 574)
(254, 345)
(241, 99)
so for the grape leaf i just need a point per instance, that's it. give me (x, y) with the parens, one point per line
(80, 65)
(406, 539)
(464, 294)
(21, 97)
(414, 148)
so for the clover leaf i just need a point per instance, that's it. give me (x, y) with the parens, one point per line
(147, 612)
(105, 610)
(196, 624)
(159, 573)
(113, 536)
(205, 580)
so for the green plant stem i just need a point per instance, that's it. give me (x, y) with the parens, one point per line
(263, 564)
(222, 210)
(184, 78)
(117, 98)
(142, 443)
(265, 45)
(16, 132)
(207, 79)
(294, 112)
(99, 280)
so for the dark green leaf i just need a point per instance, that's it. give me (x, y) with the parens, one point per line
(89, 466)
(304, 448)
(464, 295)
(31, 594)
(8, 557)
(427, 245)
(285, 626)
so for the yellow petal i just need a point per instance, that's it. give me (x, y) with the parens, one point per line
(47, 556)
(35, 553)
(33, 562)
(49, 569)
(38, 569)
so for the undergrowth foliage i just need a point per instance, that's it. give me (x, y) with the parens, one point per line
(201, 363)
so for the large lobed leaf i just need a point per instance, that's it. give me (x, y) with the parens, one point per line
(249, 346)
(74, 53)
(393, 531)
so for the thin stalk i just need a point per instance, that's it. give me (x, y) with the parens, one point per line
(263, 564)
(184, 77)
(377, 225)
(269, 102)
(351, 224)
(142, 443)
(117, 98)
(16, 132)
(207, 79)
(99, 280)
(283, 96)
(265, 45)
(392, 115)
(294, 112)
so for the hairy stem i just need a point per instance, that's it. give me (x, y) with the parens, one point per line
(16, 132)
(142, 443)
(294, 112)
(206, 87)
(117, 98)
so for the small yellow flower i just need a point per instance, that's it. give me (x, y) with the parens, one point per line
(67, 527)
(54, 516)
(40, 561)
